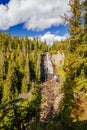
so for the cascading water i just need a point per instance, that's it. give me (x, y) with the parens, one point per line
(49, 64)
(47, 71)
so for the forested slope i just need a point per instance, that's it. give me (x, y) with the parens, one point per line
(20, 74)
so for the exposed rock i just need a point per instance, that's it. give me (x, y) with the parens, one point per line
(47, 65)
(58, 59)
(52, 95)
(51, 86)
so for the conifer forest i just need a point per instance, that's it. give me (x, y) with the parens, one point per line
(31, 84)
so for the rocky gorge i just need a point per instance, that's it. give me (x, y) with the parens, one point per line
(50, 88)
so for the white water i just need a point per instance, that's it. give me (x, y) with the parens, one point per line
(49, 64)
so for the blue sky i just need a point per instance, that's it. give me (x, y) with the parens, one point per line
(4, 1)
(26, 17)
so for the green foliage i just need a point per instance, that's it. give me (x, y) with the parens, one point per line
(19, 72)
(75, 82)
(74, 23)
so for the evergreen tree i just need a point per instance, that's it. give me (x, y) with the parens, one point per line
(10, 90)
(75, 22)
(85, 12)
(38, 69)
(84, 7)
(26, 78)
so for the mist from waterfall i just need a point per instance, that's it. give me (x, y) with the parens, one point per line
(49, 64)
(47, 70)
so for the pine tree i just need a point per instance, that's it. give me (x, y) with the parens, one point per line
(26, 78)
(38, 73)
(75, 22)
(10, 90)
(85, 14)
(84, 8)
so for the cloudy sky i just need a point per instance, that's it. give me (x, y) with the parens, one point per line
(35, 18)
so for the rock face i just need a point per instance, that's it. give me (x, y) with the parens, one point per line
(58, 59)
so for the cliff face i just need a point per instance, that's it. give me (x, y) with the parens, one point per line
(50, 90)
(58, 59)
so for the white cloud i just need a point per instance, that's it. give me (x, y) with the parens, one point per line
(50, 38)
(35, 14)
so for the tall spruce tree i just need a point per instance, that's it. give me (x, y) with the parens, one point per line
(85, 15)
(26, 78)
(75, 22)
(10, 90)
(84, 8)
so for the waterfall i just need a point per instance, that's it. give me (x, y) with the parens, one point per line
(49, 64)
(47, 71)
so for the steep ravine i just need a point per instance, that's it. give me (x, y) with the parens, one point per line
(50, 90)
(51, 97)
